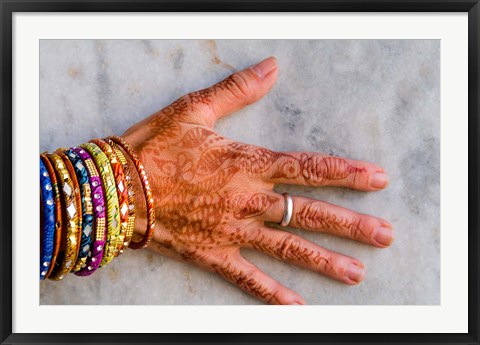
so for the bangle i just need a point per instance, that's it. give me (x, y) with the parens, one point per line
(131, 193)
(113, 214)
(96, 253)
(146, 189)
(72, 204)
(58, 213)
(122, 191)
(87, 208)
(48, 213)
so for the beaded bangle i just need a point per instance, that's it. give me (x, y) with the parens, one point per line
(131, 193)
(87, 208)
(122, 191)
(72, 203)
(58, 212)
(113, 214)
(96, 253)
(146, 189)
(48, 212)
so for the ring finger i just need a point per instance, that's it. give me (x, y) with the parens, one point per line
(315, 215)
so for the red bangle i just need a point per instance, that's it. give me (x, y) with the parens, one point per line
(146, 189)
(131, 192)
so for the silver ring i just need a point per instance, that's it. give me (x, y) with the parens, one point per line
(287, 215)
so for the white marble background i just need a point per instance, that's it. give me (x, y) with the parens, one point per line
(375, 100)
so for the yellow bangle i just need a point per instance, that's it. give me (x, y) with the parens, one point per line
(122, 190)
(113, 210)
(73, 223)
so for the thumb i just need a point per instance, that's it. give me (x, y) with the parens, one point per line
(231, 94)
(243, 88)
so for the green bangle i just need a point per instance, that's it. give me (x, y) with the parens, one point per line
(113, 209)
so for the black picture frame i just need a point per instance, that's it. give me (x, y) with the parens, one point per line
(8, 7)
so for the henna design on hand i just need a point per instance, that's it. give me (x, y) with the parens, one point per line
(212, 159)
(293, 249)
(195, 137)
(247, 282)
(213, 194)
(316, 168)
(245, 206)
(177, 108)
(164, 127)
(314, 215)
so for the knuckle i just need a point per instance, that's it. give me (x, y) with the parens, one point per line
(317, 168)
(246, 205)
(355, 228)
(238, 87)
(314, 169)
(288, 246)
(353, 181)
(254, 283)
(257, 160)
(312, 215)
(272, 296)
(324, 263)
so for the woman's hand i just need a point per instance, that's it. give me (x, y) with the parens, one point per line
(213, 195)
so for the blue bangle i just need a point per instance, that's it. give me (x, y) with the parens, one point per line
(48, 220)
(87, 209)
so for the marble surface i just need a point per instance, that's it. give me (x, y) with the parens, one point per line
(375, 100)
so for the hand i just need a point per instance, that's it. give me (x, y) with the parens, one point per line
(213, 195)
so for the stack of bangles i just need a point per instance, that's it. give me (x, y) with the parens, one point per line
(87, 207)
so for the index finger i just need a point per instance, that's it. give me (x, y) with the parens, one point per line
(315, 169)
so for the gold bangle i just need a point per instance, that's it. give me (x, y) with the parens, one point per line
(131, 193)
(73, 219)
(113, 211)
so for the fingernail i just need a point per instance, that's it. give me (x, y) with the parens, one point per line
(265, 67)
(355, 273)
(383, 236)
(378, 180)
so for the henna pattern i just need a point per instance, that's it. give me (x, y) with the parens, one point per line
(177, 108)
(203, 199)
(213, 183)
(201, 97)
(164, 127)
(247, 282)
(252, 159)
(315, 216)
(245, 206)
(212, 159)
(290, 248)
(260, 160)
(195, 137)
(316, 168)
(288, 167)
(235, 85)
